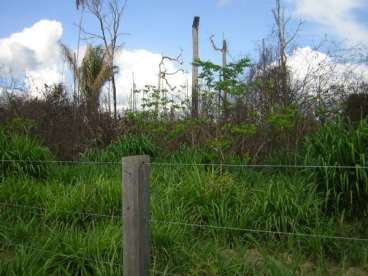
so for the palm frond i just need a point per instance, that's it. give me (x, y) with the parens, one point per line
(103, 76)
(70, 59)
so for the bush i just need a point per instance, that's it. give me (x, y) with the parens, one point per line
(19, 153)
(356, 107)
(345, 190)
(124, 146)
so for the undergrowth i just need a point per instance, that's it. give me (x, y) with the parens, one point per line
(52, 225)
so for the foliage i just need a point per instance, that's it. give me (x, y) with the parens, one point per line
(243, 129)
(20, 126)
(356, 107)
(123, 146)
(160, 103)
(231, 74)
(66, 236)
(283, 119)
(96, 69)
(28, 150)
(341, 144)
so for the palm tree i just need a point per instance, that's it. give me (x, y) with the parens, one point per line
(92, 75)
(96, 71)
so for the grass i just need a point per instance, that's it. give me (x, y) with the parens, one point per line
(57, 239)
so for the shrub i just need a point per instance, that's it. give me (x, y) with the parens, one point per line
(345, 190)
(124, 146)
(356, 107)
(18, 154)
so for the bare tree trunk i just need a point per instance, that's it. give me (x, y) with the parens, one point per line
(223, 97)
(109, 24)
(224, 64)
(195, 68)
(114, 95)
(279, 17)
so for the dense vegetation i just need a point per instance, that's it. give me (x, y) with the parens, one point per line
(64, 234)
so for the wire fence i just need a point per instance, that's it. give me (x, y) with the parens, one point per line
(196, 225)
(179, 164)
(165, 222)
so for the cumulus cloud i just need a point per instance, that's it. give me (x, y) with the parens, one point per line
(33, 54)
(143, 66)
(337, 15)
(315, 70)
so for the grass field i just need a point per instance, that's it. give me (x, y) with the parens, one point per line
(65, 234)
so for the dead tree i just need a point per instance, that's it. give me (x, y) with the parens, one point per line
(283, 43)
(108, 14)
(223, 51)
(195, 88)
(162, 76)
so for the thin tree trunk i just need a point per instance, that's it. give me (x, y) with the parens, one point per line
(224, 64)
(195, 68)
(114, 95)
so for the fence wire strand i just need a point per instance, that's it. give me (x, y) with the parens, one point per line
(279, 166)
(260, 231)
(62, 162)
(276, 166)
(208, 226)
(66, 211)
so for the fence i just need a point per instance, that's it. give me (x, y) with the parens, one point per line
(136, 219)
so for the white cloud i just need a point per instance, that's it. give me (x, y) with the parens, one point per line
(338, 15)
(145, 67)
(313, 70)
(33, 54)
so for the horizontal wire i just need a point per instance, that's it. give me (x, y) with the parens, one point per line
(192, 164)
(212, 226)
(163, 273)
(70, 212)
(260, 231)
(60, 254)
(259, 165)
(62, 162)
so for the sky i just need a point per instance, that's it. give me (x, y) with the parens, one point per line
(30, 31)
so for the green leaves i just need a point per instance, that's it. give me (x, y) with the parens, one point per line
(345, 190)
(242, 129)
(24, 148)
(231, 74)
(124, 146)
(283, 119)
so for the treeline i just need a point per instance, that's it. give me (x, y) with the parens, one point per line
(246, 108)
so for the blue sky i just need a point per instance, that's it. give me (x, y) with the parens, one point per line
(162, 26)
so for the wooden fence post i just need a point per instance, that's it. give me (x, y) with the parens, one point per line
(136, 242)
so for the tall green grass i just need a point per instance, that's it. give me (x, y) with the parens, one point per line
(26, 149)
(57, 239)
(126, 145)
(344, 190)
(65, 235)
